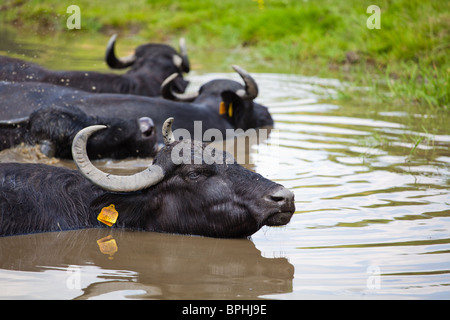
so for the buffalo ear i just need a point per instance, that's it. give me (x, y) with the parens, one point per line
(232, 107)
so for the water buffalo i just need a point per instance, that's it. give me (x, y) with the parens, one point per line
(150, 65)
(55, 127)
(210, 95)
(189, 197)
(244, 115)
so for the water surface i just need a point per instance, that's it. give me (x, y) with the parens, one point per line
(372, 219)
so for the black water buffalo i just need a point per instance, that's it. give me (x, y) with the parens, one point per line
(244, 114)
(150, 65)
(55, 127)
(220, 199)
(210, 95)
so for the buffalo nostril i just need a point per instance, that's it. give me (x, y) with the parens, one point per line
(276, 199)
(281, 196)
(146, 126)
(148, 133)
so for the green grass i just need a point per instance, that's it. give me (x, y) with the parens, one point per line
(404, 63)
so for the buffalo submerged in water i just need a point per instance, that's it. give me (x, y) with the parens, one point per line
(53, 129)
(219, 104)
(219, 199)
(149, 65)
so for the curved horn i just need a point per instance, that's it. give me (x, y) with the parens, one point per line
(141, 180)
(168, 93)
(167, 132)
(111, 59)
(183, 53)
(14, 123)
(251, 88)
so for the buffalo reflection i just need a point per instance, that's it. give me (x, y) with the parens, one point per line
(162, 266)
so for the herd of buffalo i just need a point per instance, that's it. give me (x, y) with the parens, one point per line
(83, 115)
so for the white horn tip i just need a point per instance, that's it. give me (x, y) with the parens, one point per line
(167, 131)
(169, 79)
(111, 40)
(236, 68)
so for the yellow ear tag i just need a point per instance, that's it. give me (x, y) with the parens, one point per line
(107, 245)
(222, 109)
(108, 215)
(230, 110)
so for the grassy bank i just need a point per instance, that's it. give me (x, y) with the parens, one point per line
(405, 62)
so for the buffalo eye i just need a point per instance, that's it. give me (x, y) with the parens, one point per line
(194, 175)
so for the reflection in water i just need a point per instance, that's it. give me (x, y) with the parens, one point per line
(157, 265)
(108, 245)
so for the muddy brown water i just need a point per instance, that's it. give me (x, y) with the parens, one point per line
(372, 219)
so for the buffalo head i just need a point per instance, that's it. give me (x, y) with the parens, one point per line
(54, 128)
(192, 196)
(151, 57)
(230, 98)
